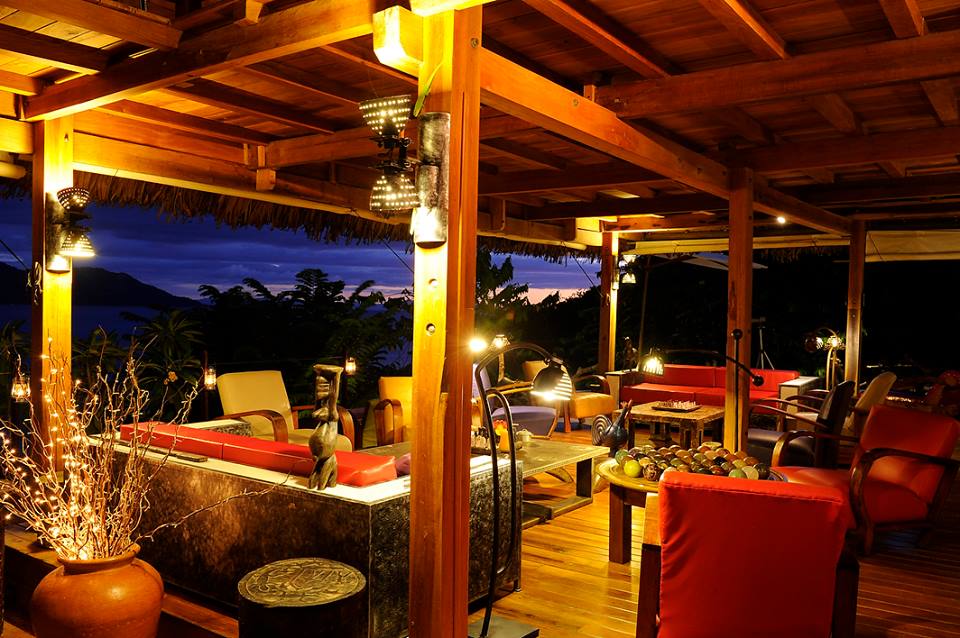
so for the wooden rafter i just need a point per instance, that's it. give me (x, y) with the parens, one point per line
(190, 123)
(631, 206)
(835, 110)
(746, 23)
(371, 65)
(600, 176)
(654, 223)
(852, 151)
(62, 54)
(526, 154)
(110, 18)
(19, 84)
(285, 32)
(226, 97)
(310, 83)
(878, 190)
(904, 17)
(943, 98)
(773, 202)
(311, 149)
(822, 72)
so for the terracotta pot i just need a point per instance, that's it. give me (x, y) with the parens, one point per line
(117, 597)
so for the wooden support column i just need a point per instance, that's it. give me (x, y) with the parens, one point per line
(444, 291)
(51, 312)
(858, 260)
(609, 287)
(739, 307)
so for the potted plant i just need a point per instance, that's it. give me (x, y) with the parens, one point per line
(84, 496)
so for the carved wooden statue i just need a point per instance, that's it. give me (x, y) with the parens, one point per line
(323, 441)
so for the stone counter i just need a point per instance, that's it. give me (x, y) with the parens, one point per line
(367, 528)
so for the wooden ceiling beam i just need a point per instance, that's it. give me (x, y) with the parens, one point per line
(190, 123)
(19, 84)
(823, 72)
(613, 175)
(746, 23)
(653, 223)
(226, 97)
(110, 18)
(773, 202)
(879, 190)
(943, 99)
(596, 28)
(516, 91)
(306, 81)
(313, 149)
(896, 170)
(606, 207)
(295, 29)
(835, 110)
(904, 17)
(58, 53)
(906, 212)
(371, 65)
(848, 151)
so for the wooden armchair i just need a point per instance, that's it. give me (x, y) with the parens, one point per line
(585, 403)
(260, 398)
(393, 412)
(901, 473)
(703, 536)
(874, 394)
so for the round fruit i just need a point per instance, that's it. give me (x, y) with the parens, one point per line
(621, 456)
(737, 473)
(631, 468)
(763, 470)
(652, 472)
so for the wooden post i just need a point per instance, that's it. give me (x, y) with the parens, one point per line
(444, 291)
(609, 287)
(739, 307)
(858, 259)
(50, 316)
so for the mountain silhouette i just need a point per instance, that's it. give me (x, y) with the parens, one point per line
(95, 287)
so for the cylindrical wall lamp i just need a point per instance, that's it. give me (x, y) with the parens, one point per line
(428, 224)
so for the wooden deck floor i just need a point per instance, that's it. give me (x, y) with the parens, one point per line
(570, 589)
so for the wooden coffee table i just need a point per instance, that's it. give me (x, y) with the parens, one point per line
(690, 424)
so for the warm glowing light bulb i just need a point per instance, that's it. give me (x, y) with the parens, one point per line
(781, 219)
(478, 345)
(350, 366)
(500, 342)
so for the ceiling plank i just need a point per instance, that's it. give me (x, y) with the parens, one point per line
(127, 24)
(746, 23)
(371, 65)
(633, 206)
(15, 137)
(308, 82)
(295, 29)
(848, 151)
(598, 176)
(62, 54)
(856, 67)
(590, 24)
(526, 154)
(190, 123)
(878, 190)
(516, 91)
(943, 98)
(904, 17)
(19, 84)
(226, 97)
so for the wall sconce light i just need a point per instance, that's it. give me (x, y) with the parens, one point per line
(628, 278)
(66, 238)
(350, 366)
(387, 118)
(210, 378)
(20, 388)
(428, 225)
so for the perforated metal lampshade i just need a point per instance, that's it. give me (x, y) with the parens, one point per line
(393, 192)
(553, 383)
(652, 364)
(76, 243)
(73, 198)
(386, 116)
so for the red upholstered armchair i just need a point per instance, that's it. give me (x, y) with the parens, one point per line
(901, 471)
(732, 557)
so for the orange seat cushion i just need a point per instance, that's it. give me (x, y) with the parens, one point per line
(886, 502)
(587, 404)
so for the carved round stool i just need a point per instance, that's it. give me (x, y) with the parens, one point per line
(288, 596)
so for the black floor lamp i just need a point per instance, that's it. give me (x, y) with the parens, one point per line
(551, 383)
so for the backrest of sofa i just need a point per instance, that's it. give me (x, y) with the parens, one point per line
(675, 374)
(717, 534)
(914, 431)
(773, 378)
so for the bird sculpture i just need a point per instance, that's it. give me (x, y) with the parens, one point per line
(612, 434)
(323, 441)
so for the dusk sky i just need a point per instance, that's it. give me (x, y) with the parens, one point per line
(179, 256)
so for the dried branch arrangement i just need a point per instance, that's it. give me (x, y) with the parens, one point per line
(69, 484)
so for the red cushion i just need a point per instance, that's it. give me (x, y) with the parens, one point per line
(181, 439)
(886, 502)
(357, 468)
(773, 378)
(674, 374)
(710, 396)
(270, 455)
(647, 392)
(721, 538)
(914, 431)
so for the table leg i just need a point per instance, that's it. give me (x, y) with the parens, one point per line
(620, 526)
(585, 473)
(686, 436)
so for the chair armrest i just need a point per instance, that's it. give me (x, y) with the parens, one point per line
(295, 410)
(346, 425)
(604, 384)
(385, 436)
(783, 413)
(276, 420)
(784, 440)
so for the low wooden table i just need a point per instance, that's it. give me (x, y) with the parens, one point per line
(690, 424)
(625, 493)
